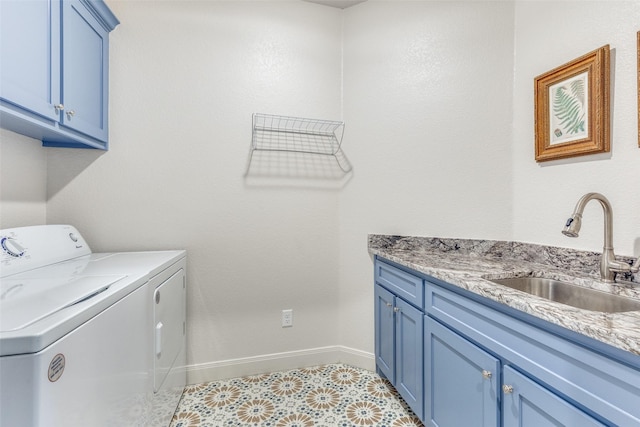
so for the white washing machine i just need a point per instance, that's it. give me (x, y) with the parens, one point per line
(88, 339)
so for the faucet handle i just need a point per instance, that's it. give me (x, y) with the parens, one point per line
(619, 267)
(623, 267)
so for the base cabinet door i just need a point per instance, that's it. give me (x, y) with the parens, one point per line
(399, 346)
(461, 381)
(527, 404)
(385, 332)
(409, 351)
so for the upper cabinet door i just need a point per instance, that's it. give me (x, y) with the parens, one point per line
(85, 62)
(30, 55)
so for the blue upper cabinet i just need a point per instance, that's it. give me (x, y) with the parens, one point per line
(54, 70)
(85, 61)
(29, 57)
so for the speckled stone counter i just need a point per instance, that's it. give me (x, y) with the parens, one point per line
(469, 263)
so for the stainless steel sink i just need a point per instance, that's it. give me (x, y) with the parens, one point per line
(566, 293)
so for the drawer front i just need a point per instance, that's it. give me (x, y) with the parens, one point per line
(593, 381)
(407, 286)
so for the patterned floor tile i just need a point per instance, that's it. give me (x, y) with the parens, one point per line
(324, 396)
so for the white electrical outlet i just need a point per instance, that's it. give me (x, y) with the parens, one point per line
(287, 318)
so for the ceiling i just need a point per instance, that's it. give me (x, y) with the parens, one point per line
(341, 4)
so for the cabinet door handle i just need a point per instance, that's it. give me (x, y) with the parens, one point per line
(389, 304)
(507, 389)
(70, 114)
(486, 374)
(396, 309)
(58, 108)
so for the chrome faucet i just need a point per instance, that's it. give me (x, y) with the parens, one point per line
(608, 264)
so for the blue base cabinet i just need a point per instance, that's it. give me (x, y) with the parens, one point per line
(462, 381)
(54, 70)
(385, 333)
(399, 338)
(459, 374)
(585, 379)
(409, 360)
(488, 365)
(527, 404)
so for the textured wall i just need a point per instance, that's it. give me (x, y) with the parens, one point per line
(185, 80)
(438, 105)
(23, 181)
(545, 194)
(427, 89)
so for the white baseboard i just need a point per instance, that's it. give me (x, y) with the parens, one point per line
(224, 369)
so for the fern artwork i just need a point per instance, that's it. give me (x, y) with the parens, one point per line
(569, 110)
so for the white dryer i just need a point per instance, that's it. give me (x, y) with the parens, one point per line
(88, 339)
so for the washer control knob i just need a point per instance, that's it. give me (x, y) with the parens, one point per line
(11, 247)
(73, 237)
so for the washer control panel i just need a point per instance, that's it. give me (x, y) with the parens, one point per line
(11, 247)
(26, 248)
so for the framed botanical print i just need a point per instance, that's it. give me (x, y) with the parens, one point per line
(572, 108)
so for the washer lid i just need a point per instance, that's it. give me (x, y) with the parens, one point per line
(27, 301)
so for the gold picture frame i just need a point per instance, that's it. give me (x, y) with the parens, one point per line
(572, 108)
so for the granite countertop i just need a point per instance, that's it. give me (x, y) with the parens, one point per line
(468, 263)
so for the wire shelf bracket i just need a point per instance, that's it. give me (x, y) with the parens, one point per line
(272, 133)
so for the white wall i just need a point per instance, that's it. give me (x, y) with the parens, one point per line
(23, 181)
(186, 77)
(545, 194)
(428, 89)
(438, 105)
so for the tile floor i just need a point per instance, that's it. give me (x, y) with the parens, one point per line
(333, 395)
